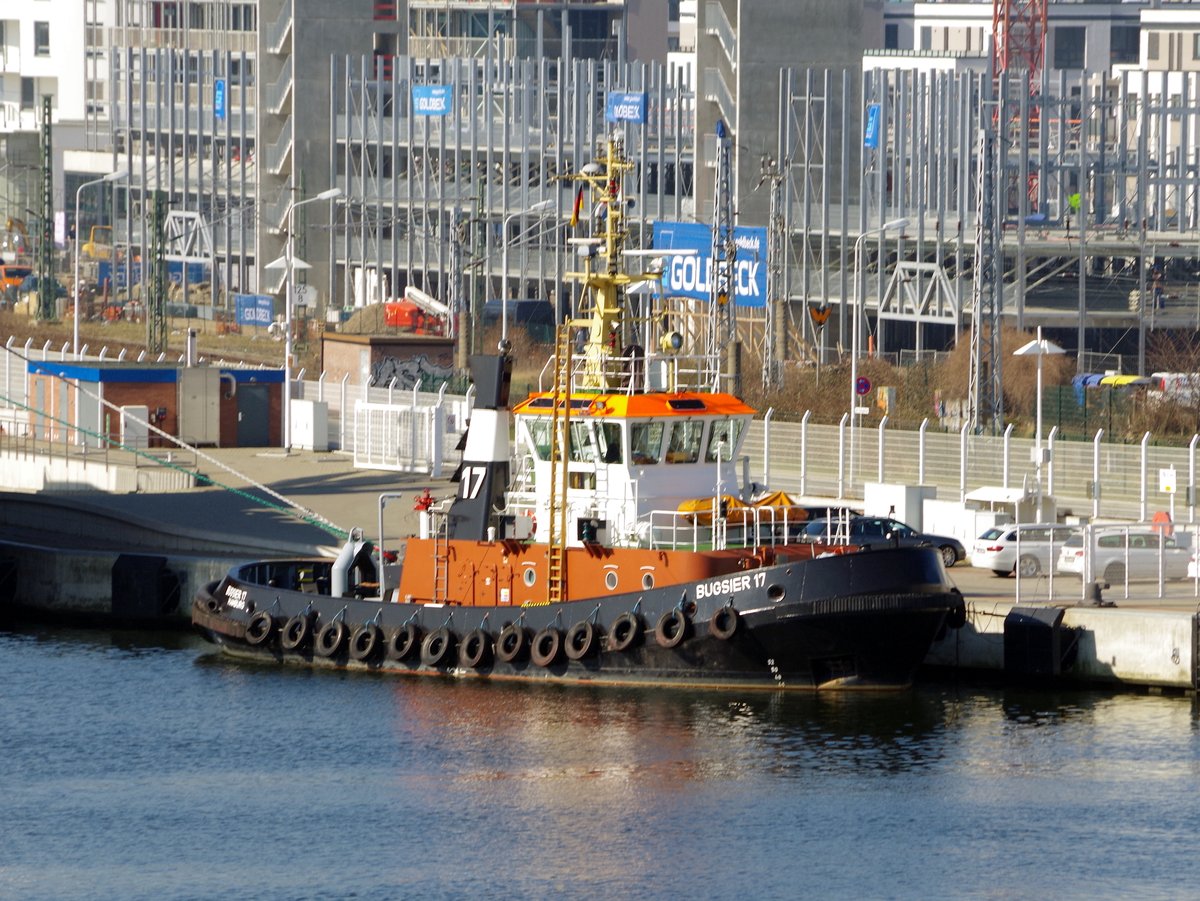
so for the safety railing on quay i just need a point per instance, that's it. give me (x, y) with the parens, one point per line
(1090, 480)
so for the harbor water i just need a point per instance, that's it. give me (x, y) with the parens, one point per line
(142, 765)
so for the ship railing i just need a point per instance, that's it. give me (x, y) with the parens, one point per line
(744, 528)
(633, 375)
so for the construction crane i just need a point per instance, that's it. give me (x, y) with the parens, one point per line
(1019, 49)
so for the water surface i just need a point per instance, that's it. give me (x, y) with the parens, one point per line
(140, 765)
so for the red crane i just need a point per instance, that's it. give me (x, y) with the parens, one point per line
(1019, 46)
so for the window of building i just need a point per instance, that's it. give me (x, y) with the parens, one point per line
(1068, 47)
(926, 37)
(27, 94)
(41, 38)
(891, 37)
(1123, 44)
(1196, 45)
(1152, 45)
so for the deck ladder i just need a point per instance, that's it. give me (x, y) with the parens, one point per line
(560, 423)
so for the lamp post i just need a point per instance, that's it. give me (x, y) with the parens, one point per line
(111, 177)
(290, 264)
(1039, 348)
(854, 326)
(540, 207)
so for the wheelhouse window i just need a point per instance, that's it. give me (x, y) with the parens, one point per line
(645, 442)
(538, 437)
(684, 444)
(725, 435)
(610, 442)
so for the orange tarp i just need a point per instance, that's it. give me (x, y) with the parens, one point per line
(739, 512)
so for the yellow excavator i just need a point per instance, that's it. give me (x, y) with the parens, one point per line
(99, 244)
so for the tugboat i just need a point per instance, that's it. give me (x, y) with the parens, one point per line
(585, 555)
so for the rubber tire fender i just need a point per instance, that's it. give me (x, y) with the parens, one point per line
(330, 639)
(581, 640)
(724, 623)
(512, 643)
(403, 642)
(365, 641)
(672, 629)
(260, 629)
(625, 632)
(296, 633)
(436, 647)
(547, 645)
(475, 650)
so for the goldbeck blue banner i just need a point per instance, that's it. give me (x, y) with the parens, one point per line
(691, 276)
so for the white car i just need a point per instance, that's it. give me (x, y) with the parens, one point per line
(1143, 552)
(996, 549)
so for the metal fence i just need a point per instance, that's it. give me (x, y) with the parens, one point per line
(1095, 479)
(1091, 479)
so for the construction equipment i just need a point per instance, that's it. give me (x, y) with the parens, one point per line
(14, 243)
(99, 245)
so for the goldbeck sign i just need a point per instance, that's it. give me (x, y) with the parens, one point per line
(692, 276)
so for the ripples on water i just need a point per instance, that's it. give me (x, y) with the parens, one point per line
(143, 766)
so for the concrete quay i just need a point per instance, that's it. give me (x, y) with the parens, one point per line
(76, 554)
(140, 557)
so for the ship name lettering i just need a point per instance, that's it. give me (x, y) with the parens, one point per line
(236, 597)
(732, 585)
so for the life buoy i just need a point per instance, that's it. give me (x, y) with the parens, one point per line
(512, 643)
(330, 639)
(671, 629)
(260, 629)
(581, 639)
(723, 623)
(546, 646)
(296, 633)
(437, 647)
(403, 642)
(475, 650)
(625, 631)
(365, 641)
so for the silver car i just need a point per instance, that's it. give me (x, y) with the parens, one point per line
(1139, 548)
(996, 549)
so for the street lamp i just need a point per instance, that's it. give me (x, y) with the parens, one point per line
(111, 177)
(854, 326)
(290, 264)
(540, 207)
(1039, 348)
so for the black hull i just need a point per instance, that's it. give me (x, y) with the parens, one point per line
(853, 621)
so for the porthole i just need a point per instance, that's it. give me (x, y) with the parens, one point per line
(610, 579)
(775, 593)
(530, 575)
(647, 581)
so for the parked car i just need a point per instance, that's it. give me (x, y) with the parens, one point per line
(996, 549)
(880, 531)
(1110, 555)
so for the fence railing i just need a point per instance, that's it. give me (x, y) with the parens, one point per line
(1095, 479)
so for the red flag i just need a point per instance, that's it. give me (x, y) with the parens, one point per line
(578, 207)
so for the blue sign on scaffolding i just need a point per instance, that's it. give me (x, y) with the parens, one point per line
(625, 107)
(431, 100)
(219, 98)
(254, 309)
(691, 276)
(871, 132)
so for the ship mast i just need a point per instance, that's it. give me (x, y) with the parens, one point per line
(606, 366)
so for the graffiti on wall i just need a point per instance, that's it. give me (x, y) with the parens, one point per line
(408, 372)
